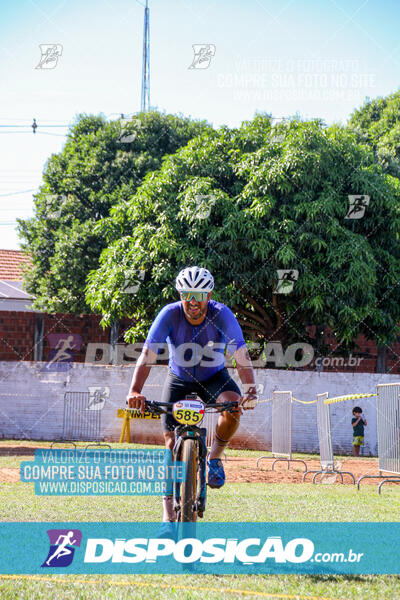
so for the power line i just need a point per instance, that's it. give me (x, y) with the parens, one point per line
(46, 126)
(33, 126)
(20, 192)
(26, 119)
(53, 134)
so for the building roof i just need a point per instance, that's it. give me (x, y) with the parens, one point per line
(12, 289)
(10, 264)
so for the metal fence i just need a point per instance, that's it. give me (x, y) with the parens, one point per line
(210, 422)
(82, 416)
(325, 433)
(388, 426)
(388, 423)
(282, 425)
(282, 406)
(327, 459)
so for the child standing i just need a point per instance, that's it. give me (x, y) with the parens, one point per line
(359, 422)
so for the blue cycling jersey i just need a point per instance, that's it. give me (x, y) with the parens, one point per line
(196, 352)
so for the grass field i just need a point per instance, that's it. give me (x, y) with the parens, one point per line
(234, 502)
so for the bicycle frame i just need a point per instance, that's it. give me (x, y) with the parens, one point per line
(198, 436)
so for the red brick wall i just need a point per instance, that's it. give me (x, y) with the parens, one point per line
(17, 339)
(87, 326)
(16, 335)
(366, 350)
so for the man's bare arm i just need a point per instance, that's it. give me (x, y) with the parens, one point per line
(246, 374)
(135, 398)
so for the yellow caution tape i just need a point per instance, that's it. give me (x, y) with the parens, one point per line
(122, 413)
(328, 401)
(304, 401)
(344, 398)
(295, 399)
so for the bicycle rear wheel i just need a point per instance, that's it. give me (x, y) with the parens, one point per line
(188, 514)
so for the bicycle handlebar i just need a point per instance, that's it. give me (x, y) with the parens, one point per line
(156, 407)
(166, 407)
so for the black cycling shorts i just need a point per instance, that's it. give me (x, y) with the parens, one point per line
(176, 389)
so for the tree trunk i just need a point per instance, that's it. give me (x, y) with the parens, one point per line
(38, 337)
(319, 344)
(114, 335)
(381, 360)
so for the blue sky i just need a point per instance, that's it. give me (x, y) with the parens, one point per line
(319, 58)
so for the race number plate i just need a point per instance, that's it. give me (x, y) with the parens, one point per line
(188, 412)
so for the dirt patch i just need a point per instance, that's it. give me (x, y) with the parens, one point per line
(245, 470)
(9, 474)
(240, 469)
(15, 449)
(19, 450)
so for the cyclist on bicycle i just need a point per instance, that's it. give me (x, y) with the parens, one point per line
(197, 330)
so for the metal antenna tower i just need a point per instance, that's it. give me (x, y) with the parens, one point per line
(145, 96)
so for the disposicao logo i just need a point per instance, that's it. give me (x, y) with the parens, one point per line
(62, 547)
(190, 550)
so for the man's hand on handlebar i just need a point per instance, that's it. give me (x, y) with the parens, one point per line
(136, 400)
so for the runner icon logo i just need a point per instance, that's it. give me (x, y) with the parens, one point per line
(62, 547)
(63, 347)
(357, 206)
(286, 280)
(203, 53)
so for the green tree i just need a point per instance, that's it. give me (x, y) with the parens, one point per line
(246, 203)
(101, 165)
(377, 123)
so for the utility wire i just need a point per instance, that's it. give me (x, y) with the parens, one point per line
(46, 126)
(20, 192)
(48, 133)
(27, 119)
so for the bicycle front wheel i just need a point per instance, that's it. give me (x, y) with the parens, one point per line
(188, 513)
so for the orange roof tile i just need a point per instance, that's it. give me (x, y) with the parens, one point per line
(10, 264)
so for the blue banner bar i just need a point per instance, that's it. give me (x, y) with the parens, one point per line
(215, 548)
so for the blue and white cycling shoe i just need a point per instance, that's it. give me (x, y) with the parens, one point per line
(168, 530)
(216, 473)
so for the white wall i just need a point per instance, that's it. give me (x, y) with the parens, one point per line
(31, 403)
(305, 385)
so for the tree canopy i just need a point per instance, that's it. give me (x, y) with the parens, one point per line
(377, 123)
(249, 203)
(299, 223)
(101, 165)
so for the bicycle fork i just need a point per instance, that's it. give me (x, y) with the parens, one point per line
(200, 435)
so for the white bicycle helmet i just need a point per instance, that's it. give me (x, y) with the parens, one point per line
(194, 279)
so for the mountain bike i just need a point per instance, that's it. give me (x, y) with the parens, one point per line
(190, 447)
